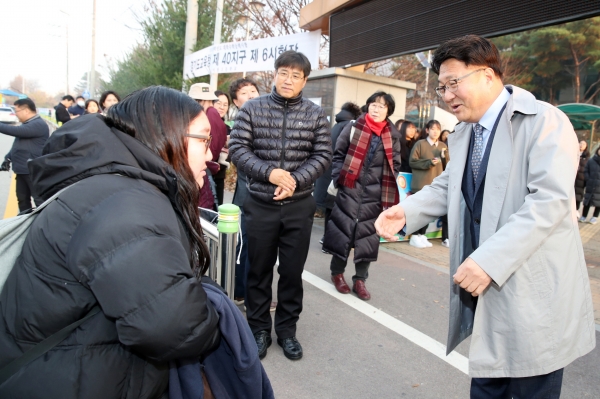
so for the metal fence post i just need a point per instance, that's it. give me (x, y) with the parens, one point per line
(228, 227)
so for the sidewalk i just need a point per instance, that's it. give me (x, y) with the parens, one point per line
(439, 256)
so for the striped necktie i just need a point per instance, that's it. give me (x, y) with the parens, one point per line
(477, 150)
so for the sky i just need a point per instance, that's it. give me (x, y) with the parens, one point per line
(34, 40)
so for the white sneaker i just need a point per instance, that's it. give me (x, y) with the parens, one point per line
(415, 241)
(582, 219)
(426, 241)
(446, 243)
(594, 220)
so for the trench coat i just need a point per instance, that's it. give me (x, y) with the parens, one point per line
(536, 316)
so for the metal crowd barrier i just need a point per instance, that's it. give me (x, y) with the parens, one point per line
(221, 231)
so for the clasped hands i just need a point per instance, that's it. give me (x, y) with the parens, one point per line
(286, 184)
(469, 274)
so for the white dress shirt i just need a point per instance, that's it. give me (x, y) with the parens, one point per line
(489, 118)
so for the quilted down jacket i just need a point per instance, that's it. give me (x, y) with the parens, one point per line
(272, 132)
(352, 221)
(592, 182)
(580, 179)
(113, 241)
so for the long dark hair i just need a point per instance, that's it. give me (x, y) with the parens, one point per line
(160, 118)
(404, 125)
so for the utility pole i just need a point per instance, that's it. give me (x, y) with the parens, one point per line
(214, 77)
(92, 74)
(67, 37)
(67, 58)
(191, 32)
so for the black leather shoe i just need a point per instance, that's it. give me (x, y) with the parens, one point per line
(291, 348)
(263, 341)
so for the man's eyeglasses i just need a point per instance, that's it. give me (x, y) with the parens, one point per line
(452, 84)
(283, 75)
(377, 106)
(207, 139)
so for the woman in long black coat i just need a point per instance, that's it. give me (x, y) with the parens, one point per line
(592, 188)
(584, 156)
(348, 113)
(365, 163)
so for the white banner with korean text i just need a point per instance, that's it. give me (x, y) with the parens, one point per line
(251, 55)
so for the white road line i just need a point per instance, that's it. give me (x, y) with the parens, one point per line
(429, 344)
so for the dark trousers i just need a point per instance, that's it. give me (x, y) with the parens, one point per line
(241, 268)
(338, 266)
(546, 386)
(444, 227)
(25, 192)
(422, 230)
(276, 229)
(586, 210)
(219, 179)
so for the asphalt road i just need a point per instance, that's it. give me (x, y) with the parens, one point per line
(349, 354)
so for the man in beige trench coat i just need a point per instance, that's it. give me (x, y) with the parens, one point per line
(519, 282)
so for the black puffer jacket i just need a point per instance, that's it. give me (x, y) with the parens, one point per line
(580, 179)
(109, 240)
(352, 222)
(321, 196)
(592, 182)
(272, 132)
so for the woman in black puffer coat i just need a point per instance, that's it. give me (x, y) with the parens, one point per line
(366, 185)
(126, 238)
(592, 188)
(584, 155)
(348, 113)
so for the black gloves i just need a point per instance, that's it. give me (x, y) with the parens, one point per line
(5, 167)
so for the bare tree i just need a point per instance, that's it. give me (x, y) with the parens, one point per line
(277, 18)
(31, 85)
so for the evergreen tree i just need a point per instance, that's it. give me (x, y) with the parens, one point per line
(159, 59)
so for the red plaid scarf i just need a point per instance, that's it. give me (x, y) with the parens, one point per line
(359, 147)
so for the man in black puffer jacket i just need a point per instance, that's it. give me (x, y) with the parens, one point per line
(281, 142)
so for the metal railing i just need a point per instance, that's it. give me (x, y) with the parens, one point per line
(222, 248)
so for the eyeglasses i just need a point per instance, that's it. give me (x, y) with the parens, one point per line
(283, 75)
(207, 139)
(452, 84)
(377, 106)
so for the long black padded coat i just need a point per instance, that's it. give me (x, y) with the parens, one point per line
(113, 241)
(592, 182)
(352, 221)
(272, 132)
(580, 179)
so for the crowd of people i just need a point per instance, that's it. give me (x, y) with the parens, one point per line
(70, 108)
(125, 240)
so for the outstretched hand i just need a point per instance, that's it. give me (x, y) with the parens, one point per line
(390, 222)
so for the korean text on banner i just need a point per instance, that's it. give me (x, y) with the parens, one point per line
(251, 55)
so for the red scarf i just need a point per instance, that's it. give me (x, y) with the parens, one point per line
(357, 151)
(376, 127)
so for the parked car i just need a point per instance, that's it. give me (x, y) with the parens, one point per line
(7, 115)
